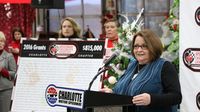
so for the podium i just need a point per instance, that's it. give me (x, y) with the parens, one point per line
(94, 99)
(83, 100)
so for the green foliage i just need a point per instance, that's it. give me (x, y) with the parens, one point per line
(173, 24)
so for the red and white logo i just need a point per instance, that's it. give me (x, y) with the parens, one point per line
(191, 58)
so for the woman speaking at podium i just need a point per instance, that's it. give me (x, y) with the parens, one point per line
(152, 81)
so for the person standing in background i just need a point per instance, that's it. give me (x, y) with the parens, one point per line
(7, 75)
(69, 29)
(110, 27)
(152, 81)
(14, 46)
(88, 34)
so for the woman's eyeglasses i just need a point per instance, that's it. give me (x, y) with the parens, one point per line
(144, 47)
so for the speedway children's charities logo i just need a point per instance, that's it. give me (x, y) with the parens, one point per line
(62, 50)
(191, 58)
(64, 97)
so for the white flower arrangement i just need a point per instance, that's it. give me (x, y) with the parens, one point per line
(120, 63)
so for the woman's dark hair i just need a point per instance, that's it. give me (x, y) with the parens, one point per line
(16, 29)
(152, 41)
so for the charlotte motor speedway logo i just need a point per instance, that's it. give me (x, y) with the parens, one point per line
(64, 97)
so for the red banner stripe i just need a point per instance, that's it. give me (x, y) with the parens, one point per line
(16, 1)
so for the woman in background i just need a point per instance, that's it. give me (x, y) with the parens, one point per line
(110, 27)
(14, 46)
(69, 29)
(7, 75)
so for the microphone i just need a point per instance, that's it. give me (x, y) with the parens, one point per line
(111, 58)
(99, 72)
(105, 67)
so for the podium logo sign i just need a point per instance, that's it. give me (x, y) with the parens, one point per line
(64, 97)
(52, 95)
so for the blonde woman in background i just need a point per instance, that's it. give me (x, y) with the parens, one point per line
(69, 29)
(7, 75)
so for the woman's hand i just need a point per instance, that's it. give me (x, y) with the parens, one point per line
(106, 90)
(14, 50)
(142, 99)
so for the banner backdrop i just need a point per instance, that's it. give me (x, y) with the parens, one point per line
(190, 55)
(46, 68)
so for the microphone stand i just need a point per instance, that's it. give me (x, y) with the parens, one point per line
(101, 70)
